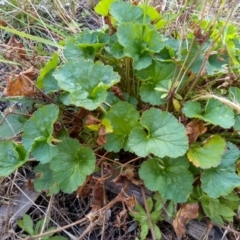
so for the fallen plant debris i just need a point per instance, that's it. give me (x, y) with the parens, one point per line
(138, 102)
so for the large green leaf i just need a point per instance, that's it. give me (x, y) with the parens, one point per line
(222, 179)
(12, 156)
(215, 113)
(161, 134)
(38, 133)
(72, 164)
(44, 179)
(157, 75)
(209, 155)
(123, 117)
(87, 82)
(126, 12)
(139, 42)
(170, 177)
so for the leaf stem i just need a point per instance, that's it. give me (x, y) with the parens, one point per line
(102, 109)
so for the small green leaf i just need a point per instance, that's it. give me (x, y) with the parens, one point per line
(12, 156)
(126, 12)
(226, 213)
(123, 117)
(156, 76)
(28, 224)
(103, 7)
(144, 231)
(222, 179)
(169, 177)
(209, 155)
(157, 232)
(38, 132)
(215, 113)
(149, 204)
(87, 82)
(161, 134)
(91, 39)
(44, 179)
(72, 164)
(139, 42)
(45, 80)
(210, 206)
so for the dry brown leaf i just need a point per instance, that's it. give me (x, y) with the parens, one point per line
(3, 23)
(200, 37)
(101, 140)
(131, 202)
(21, 84)
(85, 189)
(90, 120)
(99, 195)
(194, 129)
(121, 218)
(185, 213)
(126, 175)
(15, 50)
(118, 92)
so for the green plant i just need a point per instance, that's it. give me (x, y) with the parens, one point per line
(172, 102)
(141, 216)
(27, 224)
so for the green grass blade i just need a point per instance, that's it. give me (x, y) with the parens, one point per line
(34, 38)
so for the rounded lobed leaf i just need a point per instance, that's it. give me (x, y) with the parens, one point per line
(169, 177)
(12, 156)
(86, 82)
(139, 42)
(37, 136)
(221, 180)
(72, 164)
(215, 113)
(209, 155)
(123, 117)
(161, 134)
